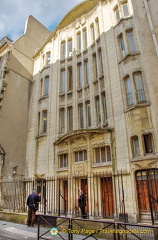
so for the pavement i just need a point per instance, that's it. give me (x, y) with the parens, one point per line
(14, 231)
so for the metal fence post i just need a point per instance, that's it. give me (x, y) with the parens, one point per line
(70, 235)
(38, 230)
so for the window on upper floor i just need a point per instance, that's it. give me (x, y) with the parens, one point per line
(62, 120)
(135, 146)
(97, 28)
(70, 48)
(102, 154)
(70, 79)
(92, 33)
(79, 73)
(103, 96)
(63, 50)
(63, 160)
(117, 14)
(84, 33)
(86, 72)
(131, 43)
(48, 58)
(88, 114)
(70, 119)
(148, 143)
(97, 107)
(80, 114)
(62, 80)
(46, 86)
(41, 87)
(79, 42)
(100, 62)
(80, 156)
(44, 121)
(125, 9)
(39, 119)
(140, 92)
(122, 45)
(95, 71)
(129, 91)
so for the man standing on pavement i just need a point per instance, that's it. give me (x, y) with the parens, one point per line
(82, 203)
(32, 203)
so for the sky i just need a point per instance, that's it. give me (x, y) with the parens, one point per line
(13, 14)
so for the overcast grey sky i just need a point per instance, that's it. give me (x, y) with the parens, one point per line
(13, 14)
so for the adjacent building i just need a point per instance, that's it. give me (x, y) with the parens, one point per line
(92, 121)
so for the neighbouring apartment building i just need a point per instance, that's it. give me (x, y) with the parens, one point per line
(93, 115)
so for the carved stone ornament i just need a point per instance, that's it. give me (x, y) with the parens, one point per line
(79, 169)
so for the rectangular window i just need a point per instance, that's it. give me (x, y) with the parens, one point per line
(125, 9)
(129, 93)
(117, 14)
(135, 143)
(62, 120)
(46, 85)
(63, 50)
(80, 80)
(88, 114)
(84, 39)
(70, 119)
(63, 80)
(39, 118)
(70, 48)
(41, 88)
(70, 82)
(131, 43)
(104, 106)
(92, 33)
(63, 158)
(98, 114)
(86, 72)
(81, 120)
(48, 58)
(97, 27)
(148, 143)
(122, 45)
(44, 121)
(79, 42)
(140, 93)
(95, 71)
(102, 154)
(100, 62)
(80, 156)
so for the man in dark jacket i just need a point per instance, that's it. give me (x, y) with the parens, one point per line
(82, 202)
(32, 203)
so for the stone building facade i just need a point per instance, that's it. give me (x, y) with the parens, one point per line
(93, 112)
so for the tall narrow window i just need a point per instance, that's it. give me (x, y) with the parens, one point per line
(140, 93)
(80, 78)
(92, 33)
(63, 160)
(44, 121)
(117, 14)
(148, 143)
(98, 115)
(84, 39)
(81, 120)
(97, 27)
(100, 63)
(39, 118)
(48, 58)
(102, 154)
(62, 120)
(41, 88)
(104, 106)
(70, 119)
(46, 86)
(63, 50)
(62, 80)
(129, 93)
(79, 42)
(88, 114)
(131, 42)
(70, 82)
(122, 45)
(70, 48)
(135, 144)
(125, 9)
(95, 71)
(86, 71)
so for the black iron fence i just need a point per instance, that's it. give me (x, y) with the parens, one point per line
(70, 228)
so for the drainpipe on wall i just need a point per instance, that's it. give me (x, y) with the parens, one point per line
(151, 25)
